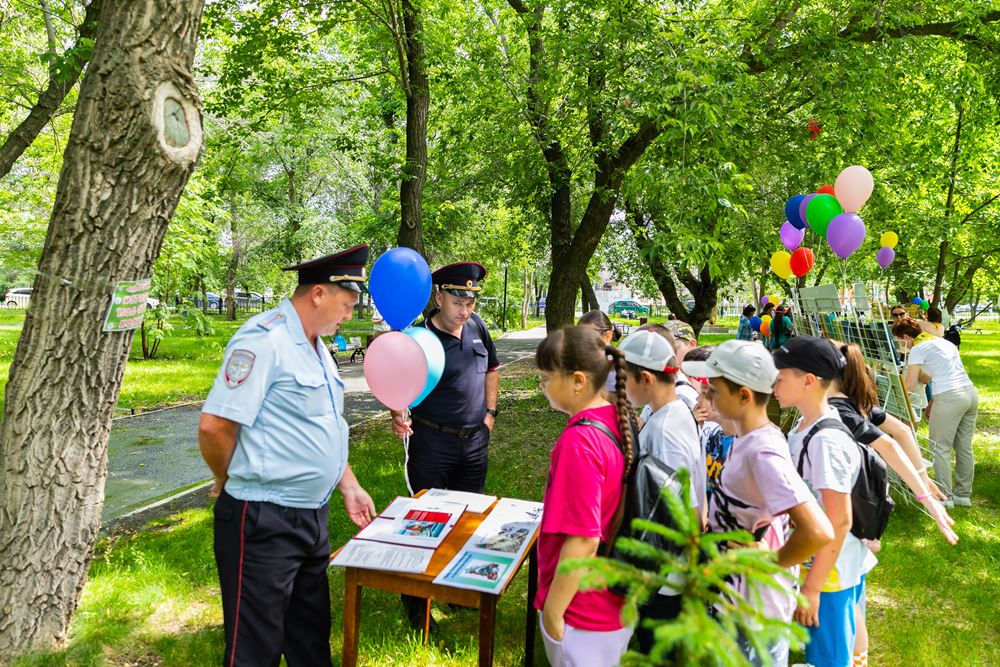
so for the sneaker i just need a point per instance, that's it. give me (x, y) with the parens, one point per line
(949, 504)
(963, 501)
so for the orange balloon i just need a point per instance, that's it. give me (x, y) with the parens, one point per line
(765, 328)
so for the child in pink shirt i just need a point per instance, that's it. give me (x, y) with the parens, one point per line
(582, 495)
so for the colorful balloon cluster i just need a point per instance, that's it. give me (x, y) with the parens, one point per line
(402, 366)
(924, 304)
(830, 212)
(887, 253)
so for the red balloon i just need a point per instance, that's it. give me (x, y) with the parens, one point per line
(802, 261)
(825, 190)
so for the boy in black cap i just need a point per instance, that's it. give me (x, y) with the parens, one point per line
(450, 429)
(279, 398)
(828, 459)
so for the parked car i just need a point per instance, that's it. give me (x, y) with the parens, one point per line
(624, 306)
(17, 297)
(212, 298)
(248, 299)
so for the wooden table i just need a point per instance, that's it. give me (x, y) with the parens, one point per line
(421, 585)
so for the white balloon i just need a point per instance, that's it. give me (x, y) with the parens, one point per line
(853, 187)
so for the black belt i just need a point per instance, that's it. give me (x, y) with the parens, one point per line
(450, 430)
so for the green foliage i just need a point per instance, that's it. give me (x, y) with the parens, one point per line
(708, 563)
(155, 326)
(196, 320)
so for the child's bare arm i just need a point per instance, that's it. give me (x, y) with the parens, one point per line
(838, 510)
(812, 531)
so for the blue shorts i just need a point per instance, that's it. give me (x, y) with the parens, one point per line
(832, 643)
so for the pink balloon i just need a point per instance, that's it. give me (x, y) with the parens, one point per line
(791, 236)
(395, 369)
(885, 256)
(853, 187)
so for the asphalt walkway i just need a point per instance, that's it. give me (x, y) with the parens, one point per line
(154, 457)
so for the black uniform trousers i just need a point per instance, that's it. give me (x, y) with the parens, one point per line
(439, 460)
(272, 563)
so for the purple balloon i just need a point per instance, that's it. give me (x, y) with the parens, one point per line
(845, 234)
(885, 256)
(801, 222)
(791, 236)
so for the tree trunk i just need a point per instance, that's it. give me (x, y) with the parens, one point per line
(525, 298)
(418, 100)
(135, 139)
(949, 205)
(589, 297)
(52, 97)
(234, 262)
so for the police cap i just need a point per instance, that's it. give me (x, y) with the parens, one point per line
(460, 279)
(346, 269)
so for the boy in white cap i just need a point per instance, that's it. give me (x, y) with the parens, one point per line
(759, 488)
(670, 434)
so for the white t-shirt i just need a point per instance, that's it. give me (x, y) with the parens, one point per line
(611, 384)
(940, 359)
(833, 462)
(671, 435)
(686, 390)
(756, 488)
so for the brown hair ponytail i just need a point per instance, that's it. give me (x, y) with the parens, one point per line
(625, 414)
(856, 380)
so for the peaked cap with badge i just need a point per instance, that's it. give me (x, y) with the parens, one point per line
(346, 269)
(460, 279)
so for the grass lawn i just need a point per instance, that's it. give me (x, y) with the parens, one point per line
(152, 595)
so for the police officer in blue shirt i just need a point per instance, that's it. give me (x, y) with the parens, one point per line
(274, 435)
(450, 429)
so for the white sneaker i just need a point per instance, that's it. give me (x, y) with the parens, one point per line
(963, 501)
(949, 504)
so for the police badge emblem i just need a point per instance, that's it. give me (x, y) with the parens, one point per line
(238, 367)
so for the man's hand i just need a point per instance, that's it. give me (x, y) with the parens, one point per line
(217, 488)
(490, 421)
(400, 427)
(360, 507)
(808, 616)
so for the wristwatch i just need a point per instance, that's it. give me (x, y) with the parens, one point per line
(492, 411)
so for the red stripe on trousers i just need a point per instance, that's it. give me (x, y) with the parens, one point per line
(239, 585)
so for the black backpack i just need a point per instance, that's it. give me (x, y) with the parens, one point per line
(871, 504)
(953, 336)
(641, 497)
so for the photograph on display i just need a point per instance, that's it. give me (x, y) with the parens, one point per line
(473, 569)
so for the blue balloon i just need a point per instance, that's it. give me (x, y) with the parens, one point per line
(400, 284)
(916, 301)
(792, 212)
(755, 323)
(434, 351)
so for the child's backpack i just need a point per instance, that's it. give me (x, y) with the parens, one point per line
(871, 504)
(641, 498)
(953, 336)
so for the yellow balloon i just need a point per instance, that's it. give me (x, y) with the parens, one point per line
(781, 264)
(889, 240)
(766, 319)
(775, 299)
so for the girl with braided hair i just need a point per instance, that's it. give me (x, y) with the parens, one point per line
(582, 496)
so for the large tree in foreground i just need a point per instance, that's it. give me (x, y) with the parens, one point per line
(136, 137)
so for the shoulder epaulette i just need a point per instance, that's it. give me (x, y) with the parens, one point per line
(274, 320)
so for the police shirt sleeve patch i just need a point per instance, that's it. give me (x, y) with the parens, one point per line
(238, 367)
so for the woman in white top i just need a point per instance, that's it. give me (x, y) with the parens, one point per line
(956, 404)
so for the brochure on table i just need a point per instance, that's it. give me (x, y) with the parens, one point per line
(403, 538)
(488, 559)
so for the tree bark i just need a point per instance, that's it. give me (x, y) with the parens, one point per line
(135, 139)
(418, 100)
(589, 297)
(525, 298)
(60, 83)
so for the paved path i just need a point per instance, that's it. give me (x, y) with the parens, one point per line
(154, 455)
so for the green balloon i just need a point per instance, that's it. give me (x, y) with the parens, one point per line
(820, 211)
(925, 304)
